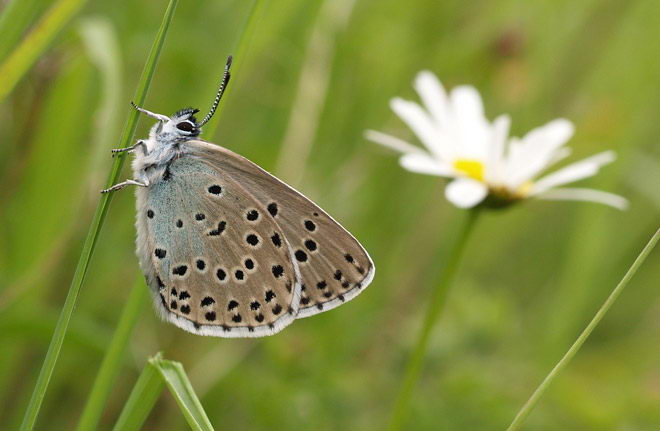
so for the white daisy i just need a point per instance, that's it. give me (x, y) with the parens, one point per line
(485, 164)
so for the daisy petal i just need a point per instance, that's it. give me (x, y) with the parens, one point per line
(537, 150)
(465, 192)
(588, 195)
(391, 142)
(553, 134)
(577, 171)
(424, 164)
(494, 162)
(419, 122)
(467, 102)
(433, 95)
(470, 127)
(559, 155)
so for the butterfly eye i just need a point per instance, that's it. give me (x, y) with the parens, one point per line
(185, 126)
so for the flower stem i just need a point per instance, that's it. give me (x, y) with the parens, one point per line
(114, 356)
(533, 400)
(92, 234)
(415, 362)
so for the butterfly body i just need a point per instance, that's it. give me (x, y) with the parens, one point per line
(226, 248)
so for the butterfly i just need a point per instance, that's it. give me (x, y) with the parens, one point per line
(226, 248)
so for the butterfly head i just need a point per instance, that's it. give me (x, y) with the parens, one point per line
(184, 123)
(180, 126)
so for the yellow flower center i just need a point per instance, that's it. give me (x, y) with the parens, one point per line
(471, 168)
(524, 189)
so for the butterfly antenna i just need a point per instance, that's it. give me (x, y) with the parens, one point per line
(221, 90)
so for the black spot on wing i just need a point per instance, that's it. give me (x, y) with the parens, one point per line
(215, 189)
(301, 256)
(207, 301)
(277, 241)
(277, 270)
(252, 215)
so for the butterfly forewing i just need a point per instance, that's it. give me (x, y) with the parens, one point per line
(334, 267)
(216, 262)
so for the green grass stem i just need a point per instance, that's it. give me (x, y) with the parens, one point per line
(572, 351)
(90, 241)
(144, 395)
(157, 372)
(114, 357)
(179, 385)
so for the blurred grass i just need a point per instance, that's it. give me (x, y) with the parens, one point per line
(16, 17)
(37, 40)
(533, 276)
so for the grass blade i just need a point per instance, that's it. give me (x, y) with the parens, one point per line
(142, 399)
(113, 359)
(157, 372)
(415, 362)
(35, 43)
(177, 381)
(533, 400)
(15, 18)
(92, 235)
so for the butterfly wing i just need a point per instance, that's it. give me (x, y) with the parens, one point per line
(334, 267)
(210, 255)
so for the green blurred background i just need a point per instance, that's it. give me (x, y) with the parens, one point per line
(311, 77)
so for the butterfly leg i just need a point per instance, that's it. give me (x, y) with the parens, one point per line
(159, 117)
(124, 184)
(132, 148)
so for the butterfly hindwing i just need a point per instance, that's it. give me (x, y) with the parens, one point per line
(334, 267)
(216, 262)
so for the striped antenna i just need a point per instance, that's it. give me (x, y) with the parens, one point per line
(221, 90)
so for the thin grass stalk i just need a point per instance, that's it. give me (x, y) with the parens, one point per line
(433, 313)
(114, 357)
(527, 408)
(112, 361)
(144, 395)
(90, 241)
(177, 381)
(156, 373)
